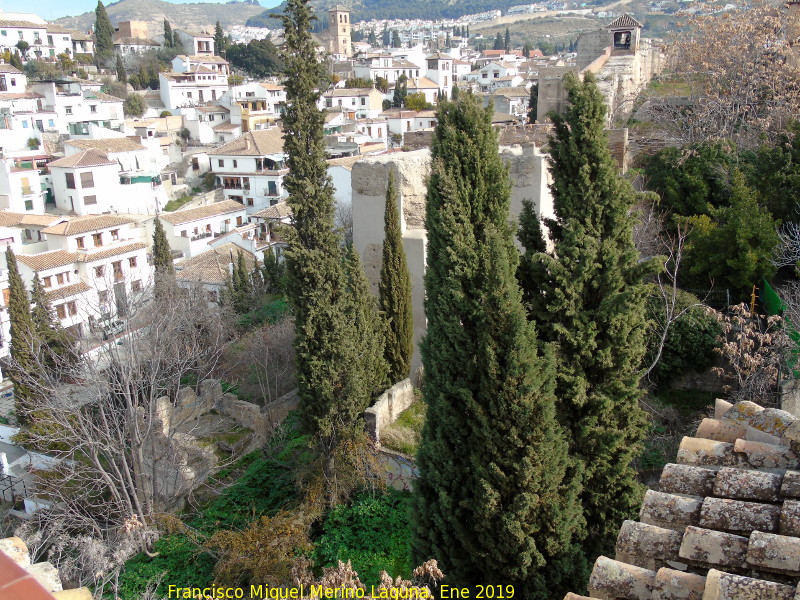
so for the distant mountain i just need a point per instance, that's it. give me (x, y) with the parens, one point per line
(196, 16)
(365, 10)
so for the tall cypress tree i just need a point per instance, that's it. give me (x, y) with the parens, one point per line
(57, 350)
(122, 75)
(168, 38)
(103, 34)
(331, 395)
(588, 297)
(395, 291)
(23, 340)
(496, 501)
(507, 41)
(274, 272)
(219, 40)
(162, 260)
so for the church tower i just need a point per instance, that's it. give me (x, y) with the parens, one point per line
(339, 31)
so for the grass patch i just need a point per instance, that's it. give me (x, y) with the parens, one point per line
(405, 434)
(177, 203)
(270, 312)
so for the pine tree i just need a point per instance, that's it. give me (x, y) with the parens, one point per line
(168, 38)
(588, 297)
(496, 500)
(395, 292)
(219, 40)
(103, 33)
(57, 350)
(162, 260)
(332, 392)
(23, 340)
(122, 75)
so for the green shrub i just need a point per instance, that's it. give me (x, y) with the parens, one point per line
(180, 560)
(270, 312)
(177, 203)
(374, 532)
(691, 340)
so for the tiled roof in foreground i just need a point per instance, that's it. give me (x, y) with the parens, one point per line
(725, 521)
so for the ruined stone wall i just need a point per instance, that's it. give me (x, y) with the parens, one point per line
(529, 179)
(388, 407)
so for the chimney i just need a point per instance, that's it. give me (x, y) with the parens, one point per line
(247, 142)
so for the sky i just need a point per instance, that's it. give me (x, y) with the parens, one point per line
(54, 9)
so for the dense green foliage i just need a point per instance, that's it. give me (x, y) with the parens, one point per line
(690, 341)
(373, 532)
(394, 291)
(258, 58)
(338, 345)
(589, 299)
(56, 348)
(731, 248)
(134, 105)
(164, 269)
(23, 342)
(103, 36)
(493, 503)
(122, 75)
(219, 40)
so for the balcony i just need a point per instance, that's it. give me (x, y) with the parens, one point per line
(201, 236)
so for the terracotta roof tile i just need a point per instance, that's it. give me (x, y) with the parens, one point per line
(212, 266)
(85, 224)
(281, 210)
(112, 251)
(623, 21)
(107, 145)
(48, 260)
(253, 143)
(86, 158)
(180, 217)
(68, 290)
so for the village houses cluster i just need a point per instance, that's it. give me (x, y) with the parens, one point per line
(81, 184)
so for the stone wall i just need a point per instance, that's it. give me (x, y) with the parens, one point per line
(370, 176)
(388, 407)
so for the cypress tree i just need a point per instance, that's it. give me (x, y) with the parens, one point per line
(331, 395)
(273, 272)
(395, 292)
(103, 33)
(496, 501)
(219, 40)
(168, 38)
(507, 41)
(243, 285)
(16, 61)
(56, 348)
(588, 297)
(23, 340)
(162, 259)
(122, 75)
(533, 103)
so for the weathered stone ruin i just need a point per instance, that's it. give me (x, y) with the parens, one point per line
(725, 522)
(388, 407)
(20, 578)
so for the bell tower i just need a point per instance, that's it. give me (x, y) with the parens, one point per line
(339, 31)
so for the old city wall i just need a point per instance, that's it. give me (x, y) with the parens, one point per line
(370, 176)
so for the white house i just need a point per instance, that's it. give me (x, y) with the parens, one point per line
(422, 85)
(440, 71)
(402, 121)
(212, 269)
(20, 188)
(386, 66)
(201, 121)
(191, 230)
(193, 88)
(34, 34)
(79, 106)
(254, 105)
(365, 103)
(250, 169)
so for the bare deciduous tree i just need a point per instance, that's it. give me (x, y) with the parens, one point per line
(741, 68)
(787, 252)
(123, 454)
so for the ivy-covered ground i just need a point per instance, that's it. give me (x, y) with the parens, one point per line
(373, 530)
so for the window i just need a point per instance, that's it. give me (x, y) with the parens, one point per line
(46, 282)
(50, 122)
(6, 296)
(90, 200)
(19, 33)
(99, 271)
(184, 233)
(97, 238)
(136, 286)
(235, 163)
(93, 108)
(117, 266)
(60, 279)
(61, 311)
(28, 234)
(24, 124)
(72, 308)
(79, 242)
(4, 33)
(329, 102)
(363, 101)
(68, 110)
(103, 296)
(132, 262)
(70, 180)
(354, 102)
(13, 82)
(115, 235)
(87, 179)
(221, 163)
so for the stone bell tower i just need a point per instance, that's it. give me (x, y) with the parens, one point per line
(339, 31)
